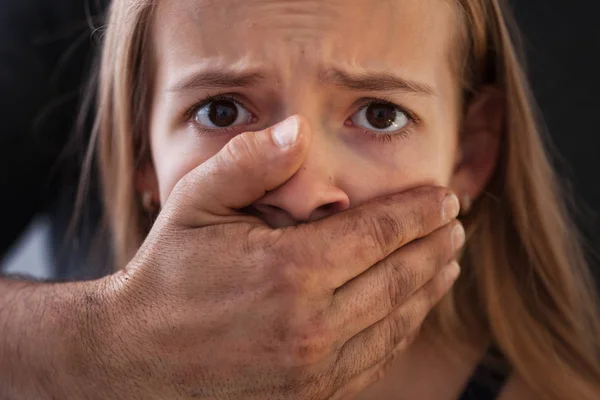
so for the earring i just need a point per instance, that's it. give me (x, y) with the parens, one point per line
(466, 203)
(148, 203)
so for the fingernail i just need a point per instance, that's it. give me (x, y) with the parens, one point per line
(451, 208)
(285, 134)
(452, 272)
(458, 237)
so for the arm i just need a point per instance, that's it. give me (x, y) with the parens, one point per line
(38, 321)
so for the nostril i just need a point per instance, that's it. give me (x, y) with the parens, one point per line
(267, 209)
(272, 208)
(274, 216)
(327, 209)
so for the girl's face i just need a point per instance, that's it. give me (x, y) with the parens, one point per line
(376, 81)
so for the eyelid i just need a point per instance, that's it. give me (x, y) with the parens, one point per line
(233, 97)
(385, 137)
(368, 101)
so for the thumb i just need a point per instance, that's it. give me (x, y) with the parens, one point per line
(250, 165)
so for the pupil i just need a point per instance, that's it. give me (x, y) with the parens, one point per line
(381, 116)
(223, 113)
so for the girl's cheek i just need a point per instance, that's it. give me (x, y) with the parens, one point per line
(367, 186)
(178, 156)
(375, 169)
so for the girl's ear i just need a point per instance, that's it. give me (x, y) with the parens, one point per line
(146, 185)
(479, 143)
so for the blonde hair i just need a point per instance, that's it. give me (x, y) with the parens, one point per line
(525, 285)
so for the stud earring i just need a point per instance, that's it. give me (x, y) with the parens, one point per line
(148, 203)
(466, 203)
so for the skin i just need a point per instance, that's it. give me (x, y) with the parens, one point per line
(293, 45)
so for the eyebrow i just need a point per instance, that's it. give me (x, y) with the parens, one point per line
(211, 79)
(364, 81)
(374, 82)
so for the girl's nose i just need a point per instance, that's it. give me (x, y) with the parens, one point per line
(311, 193)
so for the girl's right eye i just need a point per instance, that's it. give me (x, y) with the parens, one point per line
(222, 113)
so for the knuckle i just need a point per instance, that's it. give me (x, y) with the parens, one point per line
(401, 281)
(242, 151)
(401, 325)
(306, 351)
(387, 231)
(308, 345)
(292, 279)
(416, 219)
(184, 187)
(407, 275)
(389, 335)
(283, 276)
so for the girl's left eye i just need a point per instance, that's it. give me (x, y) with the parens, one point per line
(222, 113)
(381, 117)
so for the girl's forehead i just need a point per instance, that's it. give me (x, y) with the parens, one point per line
(300, 36)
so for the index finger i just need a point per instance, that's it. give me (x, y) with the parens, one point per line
(339, 248)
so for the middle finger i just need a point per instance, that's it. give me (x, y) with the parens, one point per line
(376, 293)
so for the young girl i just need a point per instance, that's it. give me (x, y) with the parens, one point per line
(398, 93)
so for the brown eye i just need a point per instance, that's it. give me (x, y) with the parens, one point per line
(222, 113)
(381, 117)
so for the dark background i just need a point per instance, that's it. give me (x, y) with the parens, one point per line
(562, 42)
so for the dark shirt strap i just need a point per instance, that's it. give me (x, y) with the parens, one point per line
(489, 377)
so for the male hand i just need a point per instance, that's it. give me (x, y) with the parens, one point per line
(217, 305)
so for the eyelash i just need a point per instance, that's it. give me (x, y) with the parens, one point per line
(191, 113)
(378, 136)
(387, 137)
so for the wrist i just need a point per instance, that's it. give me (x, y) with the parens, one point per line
(45, 337)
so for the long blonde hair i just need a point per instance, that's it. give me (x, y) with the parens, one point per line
(525, 285)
